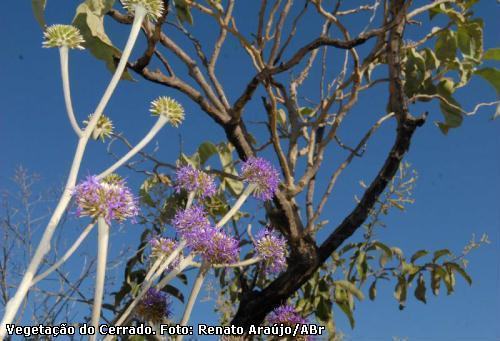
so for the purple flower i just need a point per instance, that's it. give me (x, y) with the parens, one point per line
(260, 172)
(154, 306)
(108, 198)
(216, 247)
(286, 315)
(191, 222)
(272, 249)
(163, 247)
(194, 180)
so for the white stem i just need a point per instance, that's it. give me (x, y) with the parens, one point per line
(140, 14)
(65, 257)
(153, 268)
(162, 120)
(194, 294)
(241, 264)
(102, 255)
(188, 261)
(190, 199)
(44, 246)
(63, 54)
(237, 205)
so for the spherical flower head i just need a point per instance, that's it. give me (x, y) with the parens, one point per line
(190, 222)
(216, 247)
(154, 306)
(103, 129)
(169, 108)
(109, 198)
(194, 180)
(261, 172)
(63, 36)
(154, 8)
(286, 315)
(272, 249)
(163, 247)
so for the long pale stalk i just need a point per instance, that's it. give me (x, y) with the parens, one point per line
(237, 205)
(44, 246)
(102, 256)
(63, 54)
(194, 294)
(162, 120)
(65, 257)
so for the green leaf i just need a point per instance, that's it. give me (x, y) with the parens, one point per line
(183, 12)
(89, 19)
(306, 111)
(470, 39)
(38, 7)
(206, 150)
(348, 312)
(492, 54)
(173, 291)
(440, 253)
(362, 266)
(372, 291)
(351, 288)
(457, 268)
(418, 254)
(420, 289)
(409, 269)
(400, 292)
(452, 115)
(436, 274)
(226, 160)
(449, 280)
(414, 72)
(281, 117)
(492, 75)
(446, 46)
(431, 61)
(323, 310)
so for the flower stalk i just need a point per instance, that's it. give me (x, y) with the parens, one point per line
(237, 205)
(160, 123)
(66, 256)
(63, 56)
(102, 255)
(205, 266)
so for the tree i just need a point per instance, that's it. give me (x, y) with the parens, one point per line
(299, 132)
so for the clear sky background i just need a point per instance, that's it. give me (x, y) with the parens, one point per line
(456, 194)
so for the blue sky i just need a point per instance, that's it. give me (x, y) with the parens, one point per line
(456, 194)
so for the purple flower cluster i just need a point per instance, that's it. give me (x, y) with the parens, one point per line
(214, 246)
(191, 222)
(286, 315)
(261, 172)
(163, 247)
(109, 198)
(194, 180)
(272, 249)
(154, 306)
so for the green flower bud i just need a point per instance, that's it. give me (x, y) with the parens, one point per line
(63, 36)
(169, 108)
(154, 8)
(103, 129)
